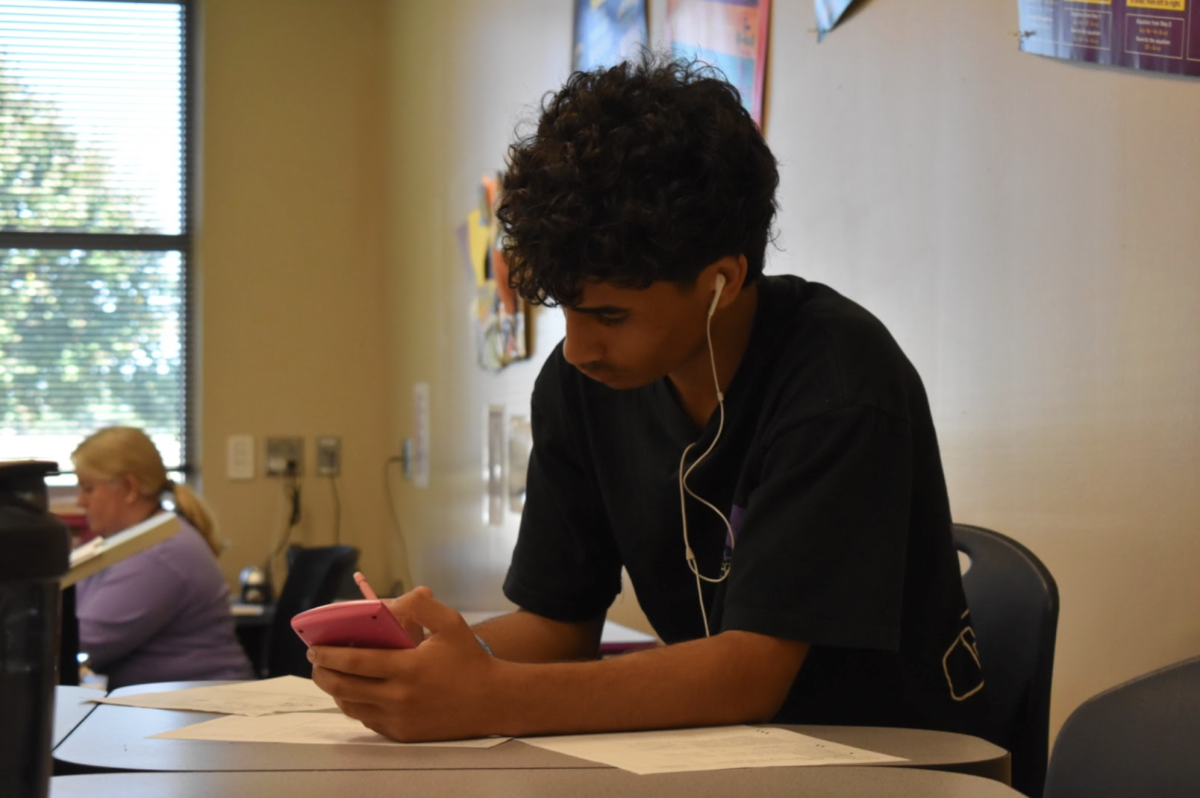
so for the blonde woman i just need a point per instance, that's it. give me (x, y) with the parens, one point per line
(163, 614)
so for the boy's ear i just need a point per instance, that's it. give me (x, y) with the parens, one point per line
(729, 279)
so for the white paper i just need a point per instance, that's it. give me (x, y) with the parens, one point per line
(92, 558)
(714, 748)
(262, 697)
(312, 728)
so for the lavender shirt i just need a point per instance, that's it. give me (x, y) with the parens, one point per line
(161, 615)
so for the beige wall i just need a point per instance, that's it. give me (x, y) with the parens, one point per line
(1027, 229)
(1023, 226)
(463, 71)
(290, 263)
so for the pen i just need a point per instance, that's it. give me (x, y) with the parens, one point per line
(363, 585)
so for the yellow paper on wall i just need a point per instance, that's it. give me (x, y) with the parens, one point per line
(477, 242)
(1159, 5)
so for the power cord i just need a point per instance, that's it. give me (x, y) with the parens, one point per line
(337, 512)
(291, 502)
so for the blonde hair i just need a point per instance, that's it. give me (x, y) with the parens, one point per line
(113, 452)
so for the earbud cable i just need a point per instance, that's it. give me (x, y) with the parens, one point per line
(685, 490)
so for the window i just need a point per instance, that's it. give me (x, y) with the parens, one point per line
(94, 224)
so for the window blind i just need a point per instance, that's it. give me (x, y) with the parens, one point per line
(94, 224)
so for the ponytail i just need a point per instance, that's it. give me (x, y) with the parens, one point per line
(195, 512)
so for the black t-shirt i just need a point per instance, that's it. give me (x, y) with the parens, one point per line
(829, 472)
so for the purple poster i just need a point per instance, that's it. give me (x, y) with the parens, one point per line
(1157, 35)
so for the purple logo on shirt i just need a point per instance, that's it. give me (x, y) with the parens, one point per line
(735, 528)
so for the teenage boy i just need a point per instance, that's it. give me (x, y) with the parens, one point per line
(755, 451)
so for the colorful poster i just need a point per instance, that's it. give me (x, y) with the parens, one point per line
(1156, 35)
(729, 34)
(828, 13)
(607, 32)
(498, 313)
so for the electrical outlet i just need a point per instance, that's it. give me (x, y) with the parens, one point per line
(285, 456)
(329, 455)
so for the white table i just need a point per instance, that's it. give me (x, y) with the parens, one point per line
(115, 738)
(71, 705)
(825, 782)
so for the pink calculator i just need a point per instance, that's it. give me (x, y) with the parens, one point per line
(360, 624)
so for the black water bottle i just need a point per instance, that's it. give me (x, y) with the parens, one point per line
(34, 554)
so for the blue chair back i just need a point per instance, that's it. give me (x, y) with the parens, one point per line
(314, 578)
(1014, 611)
(1139, 738)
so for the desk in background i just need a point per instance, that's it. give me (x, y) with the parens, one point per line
(252, 623)
(614, 638)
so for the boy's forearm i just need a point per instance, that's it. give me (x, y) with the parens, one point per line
(736, 677)
(525, 637)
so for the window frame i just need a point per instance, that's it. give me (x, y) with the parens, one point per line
(183, 242)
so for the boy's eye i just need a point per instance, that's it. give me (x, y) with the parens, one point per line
(611, 321)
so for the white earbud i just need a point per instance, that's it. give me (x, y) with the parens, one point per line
(718, 286)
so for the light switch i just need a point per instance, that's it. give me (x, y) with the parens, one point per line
(239, 457)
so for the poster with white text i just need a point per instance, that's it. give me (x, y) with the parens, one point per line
(1154, 35)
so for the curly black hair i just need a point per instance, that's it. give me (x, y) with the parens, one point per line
(643, 172)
